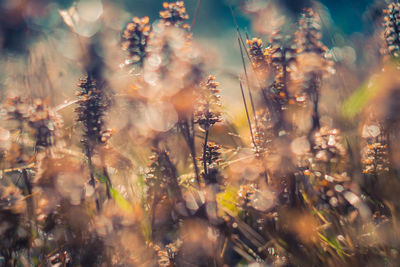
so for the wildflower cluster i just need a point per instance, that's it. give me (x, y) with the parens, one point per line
(161, 178)
(327, 146)
(207, 113)
(17, 112)
(264, 136)
(166, 257)
(312, 61)
(17, 108)
(308, 35)
(15, 235)
(325, 163)
(258, 54)
(91, 111)
(175, 14)
(375, 158)
(187, 187)
(282, 56)
(44, 123)
(392, 29)
(135, 38)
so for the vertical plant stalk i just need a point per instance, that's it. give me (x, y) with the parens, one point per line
(248, 86)
(188, 133)
(196, 13)
(280, 124)
(92, 180)
(309, 41)
(162, 182)
(92, 107)
(28, 185)
(193, 151)
(153, 216)
(205, 151)
(247, 112)
(241, 46)
(106, 175)
(316, 125)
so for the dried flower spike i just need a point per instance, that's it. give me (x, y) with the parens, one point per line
(312, 60)
(16, 108)
(161, 178)
(135, 38)
(175, 14)
(375, 155)
(392, 29)
(43, 122)
(208, 112)
(14, 236)
(309, 35)
(264, 135)
(92, 107)
(327, 146)
(281, 56)
(11, 200)
(258, 54)
(212, 154)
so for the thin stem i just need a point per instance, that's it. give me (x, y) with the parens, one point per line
(153, 216)
(315, 116)
(105, 173)
(193, 152)
(285, 70)
(248, 85)
(26, 181)
(205, 151)
(247, 113)
(189, 137)
(240, 35)
(92, 180)
(266, 98)
(28, 185)
(196, 13)
(251, 101)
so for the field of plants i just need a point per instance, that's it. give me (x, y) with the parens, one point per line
(175, 139)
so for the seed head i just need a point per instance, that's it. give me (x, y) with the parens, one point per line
(328, 146)
(264, 135)
(309, 35)
(134, 39)
(175, 14)
(161, 177)
(43, 122)
(11, 199)
(257, 54)
(209, 104)
(281, 56)
(92, 107)
(17, 108)
(375, 156)
(212, 154)
(392, 29)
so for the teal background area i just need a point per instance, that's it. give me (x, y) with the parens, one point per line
(214, 18)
